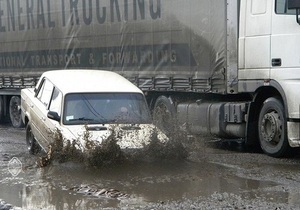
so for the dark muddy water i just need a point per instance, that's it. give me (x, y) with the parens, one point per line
(50, 187)
(141, 183)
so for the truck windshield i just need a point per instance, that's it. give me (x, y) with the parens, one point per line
(105, 108)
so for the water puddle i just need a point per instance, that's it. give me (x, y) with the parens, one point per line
(53, 187)
(134, 184)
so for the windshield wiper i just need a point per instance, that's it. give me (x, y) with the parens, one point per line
(91, 121)
(81, 119)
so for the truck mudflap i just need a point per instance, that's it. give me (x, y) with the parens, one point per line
(293, 133)
(221, 119)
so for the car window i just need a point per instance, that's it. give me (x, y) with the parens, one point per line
(45, 92)
(56, 100)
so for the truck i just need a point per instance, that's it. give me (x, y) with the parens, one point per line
(225, 68)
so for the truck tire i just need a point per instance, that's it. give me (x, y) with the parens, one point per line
(272, 128)
(32, 145)
(164, 114)
(15, 112)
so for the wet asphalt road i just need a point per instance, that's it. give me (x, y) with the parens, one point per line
(212, 177)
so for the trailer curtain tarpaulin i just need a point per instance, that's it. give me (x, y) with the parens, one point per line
(170, 44)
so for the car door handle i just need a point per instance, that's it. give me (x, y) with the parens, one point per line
(276, 62)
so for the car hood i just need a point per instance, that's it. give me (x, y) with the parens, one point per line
(127, 136)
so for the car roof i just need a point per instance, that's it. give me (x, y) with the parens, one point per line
(84, 80)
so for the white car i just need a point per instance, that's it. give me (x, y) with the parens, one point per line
(75, 102)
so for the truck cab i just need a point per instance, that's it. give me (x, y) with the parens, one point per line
(269, 64)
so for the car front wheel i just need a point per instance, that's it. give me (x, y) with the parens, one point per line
(32, 145)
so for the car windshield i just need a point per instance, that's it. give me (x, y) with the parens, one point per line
(105, 108)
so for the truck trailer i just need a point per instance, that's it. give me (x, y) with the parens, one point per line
(226, 68)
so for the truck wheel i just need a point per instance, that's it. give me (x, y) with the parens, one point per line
(272, 128)
(164, 114)
(32, 145)
(15, 112)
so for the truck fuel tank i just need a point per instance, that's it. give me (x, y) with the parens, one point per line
(221, 119)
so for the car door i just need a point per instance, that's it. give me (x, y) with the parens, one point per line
(52, 126)
(40, 107)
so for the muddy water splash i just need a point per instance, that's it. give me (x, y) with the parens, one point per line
(109, 152)
(156, 150)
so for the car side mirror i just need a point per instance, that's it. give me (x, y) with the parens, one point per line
(35, 90)
(295, 4)
(53, 116)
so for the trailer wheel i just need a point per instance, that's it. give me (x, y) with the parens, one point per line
(32, 145)
(272, 128)
(164, 114)
(15, 112)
